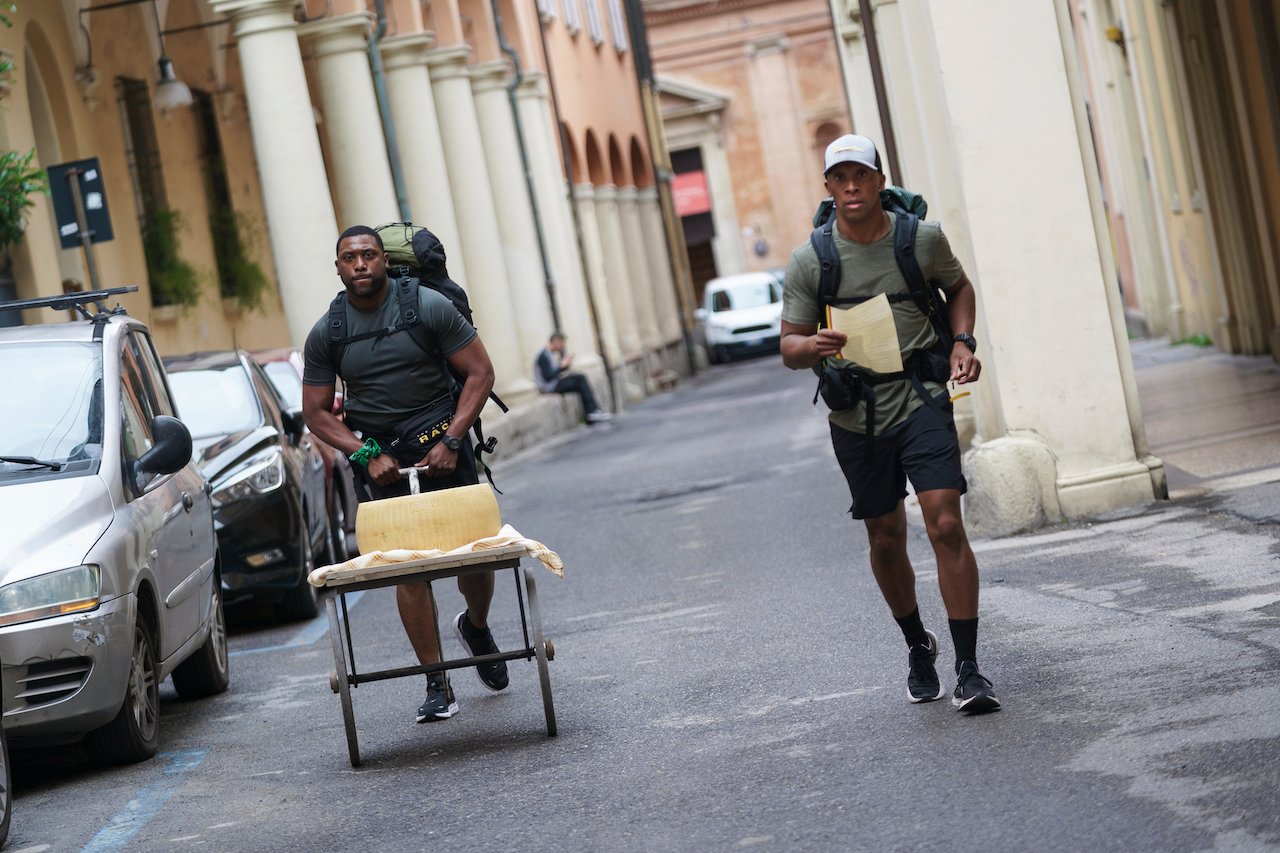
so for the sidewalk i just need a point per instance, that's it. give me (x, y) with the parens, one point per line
(1213, 419)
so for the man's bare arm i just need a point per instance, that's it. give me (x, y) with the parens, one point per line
(804, 345)
(317, 411)
(472, 361)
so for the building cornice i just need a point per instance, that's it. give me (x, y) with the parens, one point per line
(667, 13)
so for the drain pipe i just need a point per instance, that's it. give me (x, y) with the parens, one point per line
(384, 110)
(517, 78)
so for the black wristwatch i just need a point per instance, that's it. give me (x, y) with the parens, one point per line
(452, 442)
(968, 340)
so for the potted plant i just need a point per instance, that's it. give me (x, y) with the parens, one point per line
(173, 281)
(19, 181)
(241, 281)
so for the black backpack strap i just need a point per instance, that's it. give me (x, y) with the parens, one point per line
(337, 330)
(924, 295)
(824, 246)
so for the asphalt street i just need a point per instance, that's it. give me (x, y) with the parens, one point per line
(727, 677)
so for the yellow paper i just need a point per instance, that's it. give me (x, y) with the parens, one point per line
(443, 519)
(873, 336)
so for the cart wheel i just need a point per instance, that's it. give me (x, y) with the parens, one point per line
(542, 649)
(544, 679)
(333, 681)
(343, 689)
(551, 650)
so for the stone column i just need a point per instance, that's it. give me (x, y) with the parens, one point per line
(295, 187)
(655, 239)
(552, 199)
(1067, 445)
(621, 293)
(478, 234)
(585, 194)
(426, 176)
(787, 155)
(357, 147)
(638, 263)
(526, 281)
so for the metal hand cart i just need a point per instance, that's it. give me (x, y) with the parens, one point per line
(346, 677)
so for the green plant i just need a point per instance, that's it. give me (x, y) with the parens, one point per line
(173, 280)
(7, 8)
(1196, 340)
(19, 180)
(239, 277)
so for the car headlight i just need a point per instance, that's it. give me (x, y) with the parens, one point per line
(262, 474)
(65, 591)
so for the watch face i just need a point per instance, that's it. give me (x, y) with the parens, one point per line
(452, 442)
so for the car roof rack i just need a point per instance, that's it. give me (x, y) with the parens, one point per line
(76, 302)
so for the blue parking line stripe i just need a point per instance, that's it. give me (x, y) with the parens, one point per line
(311, 633)
(145, 804)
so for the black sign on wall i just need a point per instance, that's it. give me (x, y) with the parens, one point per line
(93, 196)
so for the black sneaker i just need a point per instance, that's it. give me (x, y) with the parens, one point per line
(440, 704)
(922, 678)
(974, 693)
(476, 642)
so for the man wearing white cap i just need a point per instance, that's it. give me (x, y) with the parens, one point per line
(888, 428)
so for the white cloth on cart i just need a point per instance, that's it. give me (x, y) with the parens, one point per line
(508, 535)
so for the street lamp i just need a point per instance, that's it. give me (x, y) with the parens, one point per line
(171, 92)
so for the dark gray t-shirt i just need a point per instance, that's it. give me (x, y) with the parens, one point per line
(865, 270)
(388, 378)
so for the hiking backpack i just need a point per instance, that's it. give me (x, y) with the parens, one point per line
(415, 258)
(856, 385)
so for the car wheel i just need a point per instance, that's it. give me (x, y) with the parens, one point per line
(338, 531)
(300, 602)
(134, 733)
(722, 355)
(208, 671)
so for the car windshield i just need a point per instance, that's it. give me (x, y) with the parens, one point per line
(744, 296)
(215, 401)
(54, 394)
(286, 380)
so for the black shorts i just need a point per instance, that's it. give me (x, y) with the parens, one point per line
(924, 447)
(466, 474)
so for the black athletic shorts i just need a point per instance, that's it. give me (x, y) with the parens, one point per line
(924, 447)
(466, 474)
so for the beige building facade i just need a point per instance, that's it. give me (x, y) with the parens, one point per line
(531, 164)
(751, 94)
(1185, 100)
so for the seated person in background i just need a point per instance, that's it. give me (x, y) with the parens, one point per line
(551, 372)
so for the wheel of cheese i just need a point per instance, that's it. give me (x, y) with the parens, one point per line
(445, 519)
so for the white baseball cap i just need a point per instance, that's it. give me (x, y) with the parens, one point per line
(852, 148)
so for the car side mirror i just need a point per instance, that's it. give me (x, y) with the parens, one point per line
(700, 314)
(171, 451)
(294, 424)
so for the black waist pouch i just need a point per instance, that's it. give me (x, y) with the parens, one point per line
(934, 364)
(841, 388)
(420, 432)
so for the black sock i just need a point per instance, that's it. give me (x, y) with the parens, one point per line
(913, 628)
(964, 634)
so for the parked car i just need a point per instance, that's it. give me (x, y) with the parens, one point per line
(109, 567)
(267, 477)
(284, 368)
(741, 314)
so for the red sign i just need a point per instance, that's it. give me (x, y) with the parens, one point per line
(690, 192)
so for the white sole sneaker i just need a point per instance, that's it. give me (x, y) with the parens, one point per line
(942, 691)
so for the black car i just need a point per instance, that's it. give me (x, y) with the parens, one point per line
(266, 477)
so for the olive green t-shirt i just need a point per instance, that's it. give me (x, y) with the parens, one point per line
(390, 377)
(867, 269)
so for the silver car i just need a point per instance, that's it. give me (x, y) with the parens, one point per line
(109, 575)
